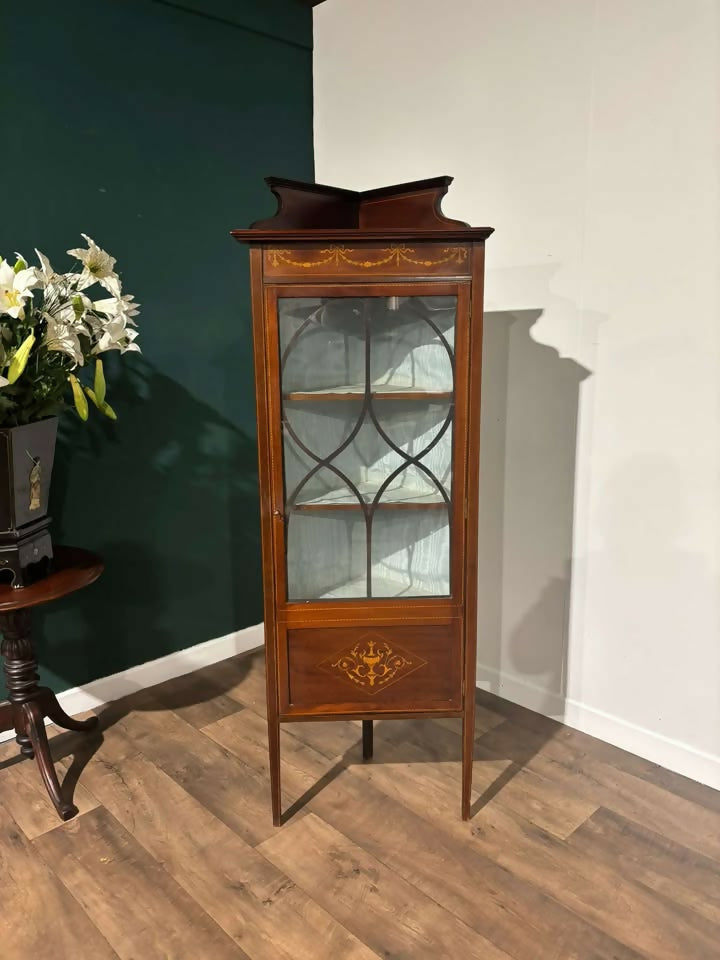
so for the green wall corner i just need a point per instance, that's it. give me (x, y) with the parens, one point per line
(150, 126)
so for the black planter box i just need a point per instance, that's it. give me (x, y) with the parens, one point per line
(26, 461)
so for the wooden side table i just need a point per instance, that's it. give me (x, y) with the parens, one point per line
(29, 703)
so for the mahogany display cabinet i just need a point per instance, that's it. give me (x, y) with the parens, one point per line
(367, 321)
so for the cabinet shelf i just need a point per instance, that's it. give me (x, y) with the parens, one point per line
(380, 392)
(382, 587)
(398, 498)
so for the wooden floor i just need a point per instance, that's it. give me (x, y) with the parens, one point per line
(576, 849)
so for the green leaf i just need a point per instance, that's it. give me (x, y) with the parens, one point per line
(78, 397)
(99, 382)
(19, 265)
(19, 361)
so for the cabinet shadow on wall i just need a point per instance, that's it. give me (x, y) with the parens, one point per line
(527, 493)
(530, 398)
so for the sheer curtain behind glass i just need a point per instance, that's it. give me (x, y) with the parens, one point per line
(367, 388)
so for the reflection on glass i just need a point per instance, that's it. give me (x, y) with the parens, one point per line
(368, 389)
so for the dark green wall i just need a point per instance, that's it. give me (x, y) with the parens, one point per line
(149, 126)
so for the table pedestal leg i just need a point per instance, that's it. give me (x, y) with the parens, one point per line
(52, 709)
(21, 676)
(35, 726)
(32, 703)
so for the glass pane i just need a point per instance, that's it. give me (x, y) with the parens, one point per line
(367, 408)
(411, 554)
(326, 555)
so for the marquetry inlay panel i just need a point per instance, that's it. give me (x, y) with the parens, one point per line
(372, 663)
(431, 259)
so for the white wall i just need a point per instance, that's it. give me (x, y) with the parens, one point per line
(587, 133)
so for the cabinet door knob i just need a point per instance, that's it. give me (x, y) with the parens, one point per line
(277, 513)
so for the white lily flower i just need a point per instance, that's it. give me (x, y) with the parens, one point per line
(62, 337)
(64, 316)
(116, 336)
(113, 285)
(64, 304)
(15, 289)
(97, 265)
(113, 335)
(119, 306)
(46, 274)
(129, 347)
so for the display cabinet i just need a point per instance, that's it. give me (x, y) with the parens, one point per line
(367, 320)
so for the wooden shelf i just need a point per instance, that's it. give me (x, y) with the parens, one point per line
(399, 498)
(382, 587)
(322, 506)
(380, 392)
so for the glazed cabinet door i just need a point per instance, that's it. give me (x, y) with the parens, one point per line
(369, 476)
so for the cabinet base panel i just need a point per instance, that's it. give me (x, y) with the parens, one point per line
(385, 715)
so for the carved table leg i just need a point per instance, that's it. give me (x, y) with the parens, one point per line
(21, 676)
(36, 730)
(31, 703)
(52, 709)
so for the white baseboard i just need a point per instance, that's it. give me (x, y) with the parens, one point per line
(99, 692)
(677, 756)
(666, 752)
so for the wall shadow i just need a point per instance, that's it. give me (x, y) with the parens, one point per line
(189, 689)
(174, 516)
(530, 398)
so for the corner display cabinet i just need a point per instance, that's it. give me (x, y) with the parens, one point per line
(367, 317)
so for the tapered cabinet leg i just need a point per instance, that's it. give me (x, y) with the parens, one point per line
(367, 739)
(36, 731)
(274, 744)
(468, 745)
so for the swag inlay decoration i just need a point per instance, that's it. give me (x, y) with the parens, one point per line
(396, 255)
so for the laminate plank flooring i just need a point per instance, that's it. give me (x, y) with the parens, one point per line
(37, 909)
(576, 850)
(128, 895)
(25, 798)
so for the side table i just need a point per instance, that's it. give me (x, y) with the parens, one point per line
(28, 703)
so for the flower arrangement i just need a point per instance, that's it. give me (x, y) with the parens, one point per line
(50, 328)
